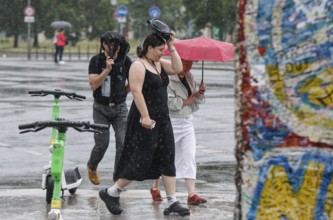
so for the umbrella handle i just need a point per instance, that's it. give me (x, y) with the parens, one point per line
(202, 74)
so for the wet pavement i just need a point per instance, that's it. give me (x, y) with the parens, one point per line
(23, 156)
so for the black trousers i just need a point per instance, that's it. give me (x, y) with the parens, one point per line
(58, 53)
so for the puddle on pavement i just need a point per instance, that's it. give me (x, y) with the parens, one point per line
(216, 172)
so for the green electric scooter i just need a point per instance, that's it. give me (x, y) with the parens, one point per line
(58, 146)
(71, 178)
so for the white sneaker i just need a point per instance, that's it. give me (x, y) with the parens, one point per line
(61, 62)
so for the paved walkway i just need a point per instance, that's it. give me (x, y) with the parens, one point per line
(23, 156)
(17, 204)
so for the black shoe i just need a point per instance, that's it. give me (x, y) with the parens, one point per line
(112, 203)
(177, 208)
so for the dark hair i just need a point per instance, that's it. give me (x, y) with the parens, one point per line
(151, 40)
(119, 41)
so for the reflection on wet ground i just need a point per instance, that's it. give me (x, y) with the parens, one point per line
(216, 173)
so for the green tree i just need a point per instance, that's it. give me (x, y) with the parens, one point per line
(218, 13)
(139, 15)
(97, 17)
(12, 18)
(43, 19)
(62, 10)
(91, 18)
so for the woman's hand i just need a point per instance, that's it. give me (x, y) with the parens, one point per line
(171, 40)
(202, 88)
(146, 122)
(175, 66)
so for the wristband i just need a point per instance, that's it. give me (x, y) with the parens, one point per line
(172, 50)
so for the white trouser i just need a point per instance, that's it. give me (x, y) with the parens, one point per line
(185, 147)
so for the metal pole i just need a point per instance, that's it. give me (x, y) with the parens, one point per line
(202, 74)
(29, 36)
(122, 26)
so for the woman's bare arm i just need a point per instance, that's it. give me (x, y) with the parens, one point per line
(136, 78)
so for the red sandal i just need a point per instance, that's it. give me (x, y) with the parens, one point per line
(156, 195)
(195, 200)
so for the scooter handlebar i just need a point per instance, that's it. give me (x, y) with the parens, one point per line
(79, 96)
(99, 126)
(57, 93)
(27, 126)
(78, 125)
(35, 92)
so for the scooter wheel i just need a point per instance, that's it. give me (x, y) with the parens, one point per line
(49, 189)
(72, 191)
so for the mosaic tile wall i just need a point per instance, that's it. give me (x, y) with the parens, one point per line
(284, 117)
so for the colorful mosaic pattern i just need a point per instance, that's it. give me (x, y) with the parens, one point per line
(284, 118)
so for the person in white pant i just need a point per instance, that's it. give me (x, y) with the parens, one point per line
(184, 99)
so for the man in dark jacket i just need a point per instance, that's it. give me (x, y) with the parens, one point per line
(108, 78)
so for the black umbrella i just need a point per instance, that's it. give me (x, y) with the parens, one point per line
(61, 24)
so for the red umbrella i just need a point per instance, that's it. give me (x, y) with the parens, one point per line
(204, 48)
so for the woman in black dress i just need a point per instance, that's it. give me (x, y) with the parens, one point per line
(149, 149)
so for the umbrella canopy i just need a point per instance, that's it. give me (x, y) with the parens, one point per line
(204, 48)
(61, 24)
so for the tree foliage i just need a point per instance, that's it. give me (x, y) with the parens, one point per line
(218, 13)
(139, 14)
(11, 18)
(90, 19)
(97, 17)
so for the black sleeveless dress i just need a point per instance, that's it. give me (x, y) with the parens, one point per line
(149, 153)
